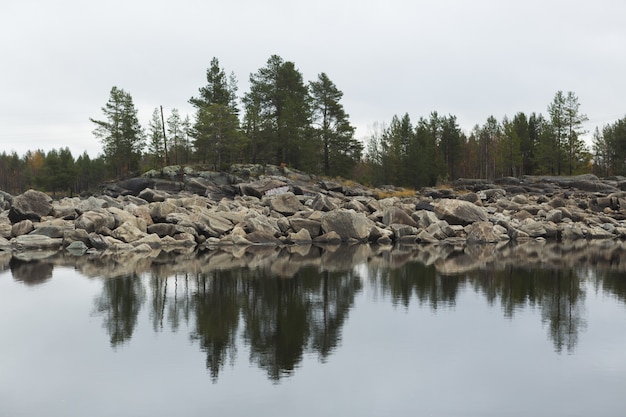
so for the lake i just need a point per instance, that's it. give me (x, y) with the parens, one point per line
(528, 330)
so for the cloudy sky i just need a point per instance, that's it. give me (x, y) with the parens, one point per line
(59, 59)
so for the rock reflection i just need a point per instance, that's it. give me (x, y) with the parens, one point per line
(286, 302)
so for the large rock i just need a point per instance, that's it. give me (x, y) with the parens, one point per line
(395, 215)
(127, 232)
(348, 224)
(482, 232)
(312, 226)
(31, 205)
(95, 220)
(36, 242)
(286, 204)
(460, 212)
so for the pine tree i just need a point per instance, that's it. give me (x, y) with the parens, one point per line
(278, 115)
(156, 141)
(340, 150)
(216, 131)
(121, 134)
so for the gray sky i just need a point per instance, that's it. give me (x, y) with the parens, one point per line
(472, 59)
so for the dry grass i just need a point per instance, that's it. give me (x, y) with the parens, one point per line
(403, 192)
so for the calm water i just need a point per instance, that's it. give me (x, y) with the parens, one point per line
(311, 332)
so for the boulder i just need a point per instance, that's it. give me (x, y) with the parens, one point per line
(91, 203)
(482, 232)
(152, 196)
(36, 242)
(303, 236)
(395, 215)
(460, 212)
(325, 203)
(286, 204)
(95, 220)
(23, 227)
(31, 205)
(312, 226)
(330, 237)
(348, 224)
(127, 233)
(262, 238)
(77, 248)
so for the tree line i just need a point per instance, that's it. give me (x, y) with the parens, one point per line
(284, 120)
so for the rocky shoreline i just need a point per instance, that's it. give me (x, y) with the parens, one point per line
(181, 210)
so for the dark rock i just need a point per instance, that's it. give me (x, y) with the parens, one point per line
(31, 205)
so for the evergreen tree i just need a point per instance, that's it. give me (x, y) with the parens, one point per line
(554, 142)
(278, 114)
(175, 131)
(574, 146)
(156, 142)
(216, 131)
(614, 136)
(121, 134)
(510, 154)
(340, 150)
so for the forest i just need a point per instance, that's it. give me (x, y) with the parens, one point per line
(284, 120)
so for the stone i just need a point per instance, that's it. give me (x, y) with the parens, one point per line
(396, 215)
(23, 227)
(348, 224)
(312, 226)
(286, 204)
(262, 238)
(95, 220)
(36, 242)
(91, 203)
(162, 229)
(482, 232)
(299, 237)
(127, 233)
(152, 196)
(459, 212)
(325, 203)
(31, 205)
(330, 237)
(77, 248)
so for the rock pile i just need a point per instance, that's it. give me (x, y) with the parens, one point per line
(181, 209)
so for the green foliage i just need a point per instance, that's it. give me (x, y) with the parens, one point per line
(278, 116)
(121, 134)
(332, 129)
(217, 135)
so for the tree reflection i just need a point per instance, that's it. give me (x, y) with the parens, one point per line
(119, 304)
(216, 306)
(284, 305)
(561, 300)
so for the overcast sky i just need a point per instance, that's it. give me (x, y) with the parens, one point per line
(59, 59)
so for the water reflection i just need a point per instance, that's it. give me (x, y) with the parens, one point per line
(284, 303)
(119, 305)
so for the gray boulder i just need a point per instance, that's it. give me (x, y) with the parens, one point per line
(348, 224)
(36, 242)
(95, 220)
(460, 212)
(127, 232)
(31, 205)
(286, 204)
(23, 227)
(395, 215)
(482, 232)
(312, 226)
